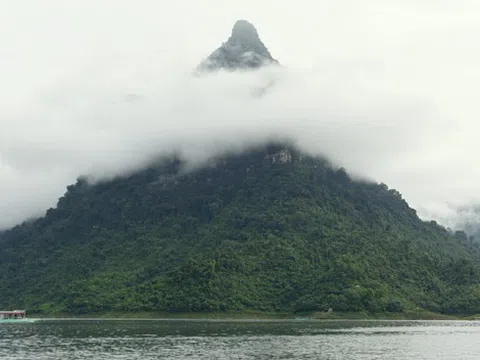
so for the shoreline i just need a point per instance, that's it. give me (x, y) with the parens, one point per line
(256, 316)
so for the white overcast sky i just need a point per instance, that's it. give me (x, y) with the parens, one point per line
(388, 89)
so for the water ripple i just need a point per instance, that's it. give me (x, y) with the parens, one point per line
(98, 340)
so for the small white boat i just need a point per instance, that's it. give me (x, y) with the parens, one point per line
(15, 316)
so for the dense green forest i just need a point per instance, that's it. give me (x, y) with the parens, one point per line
(270, 229)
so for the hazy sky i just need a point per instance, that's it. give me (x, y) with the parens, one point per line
(387, 89)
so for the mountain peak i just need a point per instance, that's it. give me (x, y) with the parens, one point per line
(243, 50)
(244, 32)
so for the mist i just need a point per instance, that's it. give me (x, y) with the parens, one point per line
(391, 98)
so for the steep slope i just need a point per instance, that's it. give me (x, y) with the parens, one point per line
(270, 229)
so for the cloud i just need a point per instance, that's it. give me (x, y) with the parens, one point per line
(385, 90)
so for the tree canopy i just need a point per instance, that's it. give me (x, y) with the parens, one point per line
(270, 229)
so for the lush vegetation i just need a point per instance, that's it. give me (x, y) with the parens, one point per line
(268, 230)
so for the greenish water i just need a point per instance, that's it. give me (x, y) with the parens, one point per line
(190, 339)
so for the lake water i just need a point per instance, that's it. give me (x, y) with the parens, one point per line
(178, 339)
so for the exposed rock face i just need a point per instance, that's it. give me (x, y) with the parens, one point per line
(281, 157)
(243, 50)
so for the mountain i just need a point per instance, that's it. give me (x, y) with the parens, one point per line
(242, 51)
(270, 229)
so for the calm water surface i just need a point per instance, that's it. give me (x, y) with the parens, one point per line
(156, 339)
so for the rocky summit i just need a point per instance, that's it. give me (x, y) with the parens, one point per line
(242, 51)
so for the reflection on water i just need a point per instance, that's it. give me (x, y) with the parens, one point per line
(178, 339)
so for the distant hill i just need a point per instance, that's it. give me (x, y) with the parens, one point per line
(469, 221)
(270, 229)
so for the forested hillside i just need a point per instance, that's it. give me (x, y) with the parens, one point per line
(269, 229)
